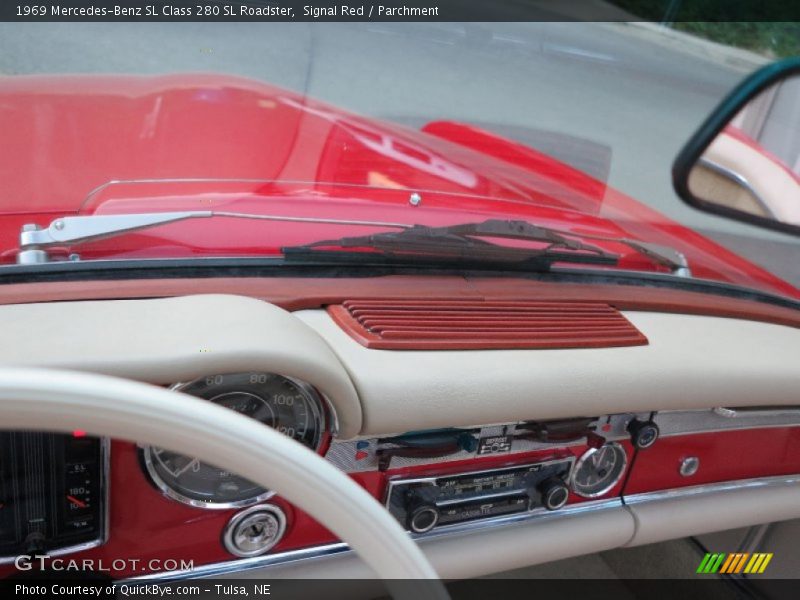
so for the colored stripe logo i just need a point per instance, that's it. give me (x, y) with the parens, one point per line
(737, 562)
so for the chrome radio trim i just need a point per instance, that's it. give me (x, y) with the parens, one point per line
(392, 483)
(105, 494)
(341, 548)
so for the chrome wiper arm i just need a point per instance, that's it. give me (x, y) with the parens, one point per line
(34, 240)
(664, 255)
(456, 240)
(73, 230)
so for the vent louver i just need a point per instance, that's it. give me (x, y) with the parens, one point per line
(483, 324)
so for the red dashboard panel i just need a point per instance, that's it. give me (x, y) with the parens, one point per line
(724, 456)
(146, 525)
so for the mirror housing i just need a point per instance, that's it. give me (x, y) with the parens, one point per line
(735, 165)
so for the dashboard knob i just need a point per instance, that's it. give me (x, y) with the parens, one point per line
(554, 493)
(422, 517)
(643, 433)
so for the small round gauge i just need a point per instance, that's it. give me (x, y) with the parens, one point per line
(290, 406)
(598, 470)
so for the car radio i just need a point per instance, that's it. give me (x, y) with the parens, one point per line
(425, 503)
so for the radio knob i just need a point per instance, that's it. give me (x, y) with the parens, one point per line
(555, 493)
(643, 433)
(422, 517)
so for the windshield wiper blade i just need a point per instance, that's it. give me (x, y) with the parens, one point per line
(461, 243)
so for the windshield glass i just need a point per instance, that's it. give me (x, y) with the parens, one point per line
(569, 126)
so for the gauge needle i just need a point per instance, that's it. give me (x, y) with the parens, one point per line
(76, 502)
(187, 467)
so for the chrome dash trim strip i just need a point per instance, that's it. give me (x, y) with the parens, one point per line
(687, 422)
(317, 552)
(243, 564)
(710, 488)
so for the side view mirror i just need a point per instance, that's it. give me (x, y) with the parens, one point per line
(744, 161)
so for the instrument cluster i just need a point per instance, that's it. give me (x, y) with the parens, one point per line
(290, 406)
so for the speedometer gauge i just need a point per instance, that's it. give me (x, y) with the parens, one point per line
(290, 406)
(598, 470)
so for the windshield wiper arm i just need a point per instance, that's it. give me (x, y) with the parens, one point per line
(455, 241)
(64, 231)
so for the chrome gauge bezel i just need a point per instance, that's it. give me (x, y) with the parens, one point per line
(584, 457)
(316, 402)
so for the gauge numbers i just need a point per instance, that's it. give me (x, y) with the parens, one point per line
(291, 407)
(598, 470)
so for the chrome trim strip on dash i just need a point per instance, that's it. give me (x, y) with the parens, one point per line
(687, 422)
(317, 552)
(709, 488)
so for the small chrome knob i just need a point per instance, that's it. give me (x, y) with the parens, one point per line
(689, 466)
(423, 517)
(554, 493)
(643, 433)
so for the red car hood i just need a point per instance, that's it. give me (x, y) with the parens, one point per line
(66, 136)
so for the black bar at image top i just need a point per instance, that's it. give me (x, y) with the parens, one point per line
(665, 12)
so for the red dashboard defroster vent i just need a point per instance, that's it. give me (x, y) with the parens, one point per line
(484, 324)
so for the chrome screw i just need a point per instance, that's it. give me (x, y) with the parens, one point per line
(415, 199)
(689, 466)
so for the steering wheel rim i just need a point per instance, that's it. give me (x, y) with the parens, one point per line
(62, 401)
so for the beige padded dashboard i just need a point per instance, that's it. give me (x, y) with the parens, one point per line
(690, 362)
(170, 340)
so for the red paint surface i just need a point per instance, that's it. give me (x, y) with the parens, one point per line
(65, 136)
(458, 324)
(299, 293)
(724, 456)
(147, 525)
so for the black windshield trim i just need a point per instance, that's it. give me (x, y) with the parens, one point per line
(201, 268)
